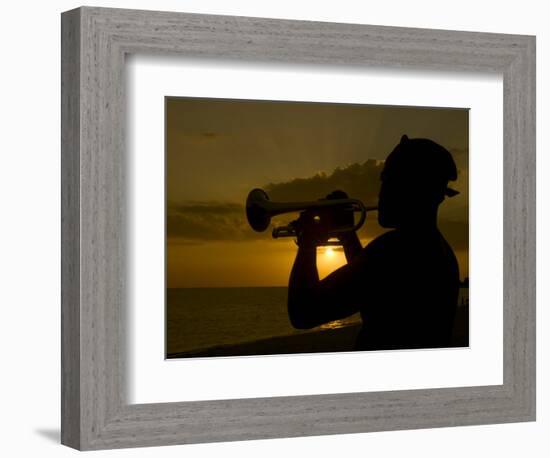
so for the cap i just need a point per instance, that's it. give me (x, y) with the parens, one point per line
(426, 159)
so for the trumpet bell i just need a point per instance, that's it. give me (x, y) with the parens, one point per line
(260, 210)
(256, 210)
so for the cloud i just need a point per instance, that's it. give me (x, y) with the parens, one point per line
(202, 221)
(206, 221)
(360, 181)
(194, 222)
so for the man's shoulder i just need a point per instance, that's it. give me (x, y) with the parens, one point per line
(383, 241)
(382, 246)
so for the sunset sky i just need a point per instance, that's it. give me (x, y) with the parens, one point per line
(218, 150)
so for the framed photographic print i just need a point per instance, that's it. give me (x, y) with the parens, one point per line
(256, 213)
(228, 289)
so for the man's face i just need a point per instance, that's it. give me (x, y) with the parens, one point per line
(405, 197)
(412, 182)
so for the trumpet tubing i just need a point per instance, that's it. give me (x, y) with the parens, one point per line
(260, 210)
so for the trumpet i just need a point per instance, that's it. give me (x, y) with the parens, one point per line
(260, 209)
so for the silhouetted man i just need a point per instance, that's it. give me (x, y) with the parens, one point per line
(405, 282)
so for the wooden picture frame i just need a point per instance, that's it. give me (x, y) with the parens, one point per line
(95, 411)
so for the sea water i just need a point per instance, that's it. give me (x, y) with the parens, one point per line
(199, 318)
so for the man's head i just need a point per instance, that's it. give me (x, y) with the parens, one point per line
(414, 182)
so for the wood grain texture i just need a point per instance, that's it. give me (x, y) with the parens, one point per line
(70, 229)
(95, 410)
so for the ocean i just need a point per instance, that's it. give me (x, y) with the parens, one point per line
(202, 318)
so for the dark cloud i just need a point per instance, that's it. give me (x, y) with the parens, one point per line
(360, 181)
(202, 221)
(213, 220)
(197, 222)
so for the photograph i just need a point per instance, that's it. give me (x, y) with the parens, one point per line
(306, 227)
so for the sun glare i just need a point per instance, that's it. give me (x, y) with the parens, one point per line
(329, 252)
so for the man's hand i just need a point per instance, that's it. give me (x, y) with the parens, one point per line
(340, 216)
(311, 229)
(314, 226)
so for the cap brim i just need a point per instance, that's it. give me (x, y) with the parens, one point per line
(449, 192)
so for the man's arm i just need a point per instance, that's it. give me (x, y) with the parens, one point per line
(312, 302)
(302, 287)
(352, 245)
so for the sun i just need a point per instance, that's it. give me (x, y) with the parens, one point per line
(329, 252)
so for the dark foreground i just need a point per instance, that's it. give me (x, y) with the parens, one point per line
(316, 341)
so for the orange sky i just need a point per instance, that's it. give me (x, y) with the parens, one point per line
(217, 150)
